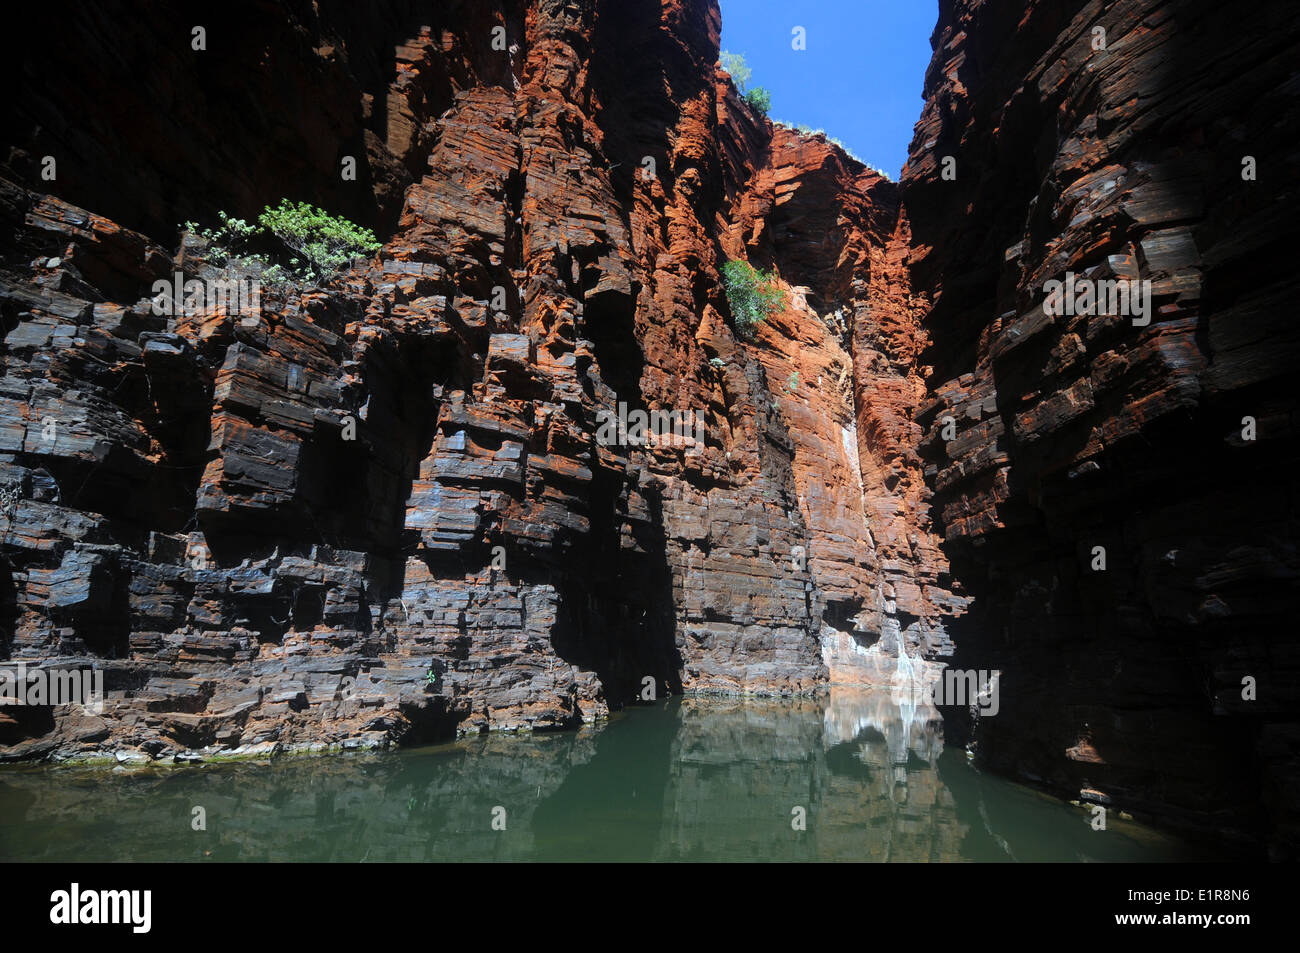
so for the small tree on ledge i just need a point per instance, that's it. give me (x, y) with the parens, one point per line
(758, 98)
(734, 63)
(320, 245)
(752, 295)
(325, 244)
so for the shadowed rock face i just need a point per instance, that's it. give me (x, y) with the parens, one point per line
(149, 131)
(1087, 430)
(383, 511)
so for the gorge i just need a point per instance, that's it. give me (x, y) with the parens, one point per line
(378, 512)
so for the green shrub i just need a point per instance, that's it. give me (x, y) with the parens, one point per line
(752, 295)
(735, 64)
(319, 245)
(759, 99)
(229, 248)
(228, 242)
(324, 244)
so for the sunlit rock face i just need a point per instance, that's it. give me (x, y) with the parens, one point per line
(384, 510)
(1151, 142)
(885, 664)
(842, 361)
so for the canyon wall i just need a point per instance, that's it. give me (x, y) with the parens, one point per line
(384, 510)
(1118, 491)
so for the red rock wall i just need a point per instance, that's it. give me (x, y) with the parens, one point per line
(1121, 686)
(284, 531)
(381, 511)
(841, 360)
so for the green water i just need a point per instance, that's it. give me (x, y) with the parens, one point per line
(683, 780)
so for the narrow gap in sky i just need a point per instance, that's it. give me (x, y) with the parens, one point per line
(859, 79)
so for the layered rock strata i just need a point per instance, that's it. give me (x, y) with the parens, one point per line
(386, 510)
(1117, 491)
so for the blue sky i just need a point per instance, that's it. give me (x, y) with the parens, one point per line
(859, 79)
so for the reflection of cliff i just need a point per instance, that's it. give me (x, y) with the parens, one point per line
(863, 776)
(713, 780)
(426, 805)
(905, 719)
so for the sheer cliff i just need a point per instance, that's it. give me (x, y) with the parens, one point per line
(384, 511)
(387, 510)
(1118, 491)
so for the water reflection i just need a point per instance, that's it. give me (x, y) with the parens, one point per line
(690, 779)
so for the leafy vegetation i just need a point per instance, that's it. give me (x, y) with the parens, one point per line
(229, 247)
(734, 63)
(319, 245)
(758, 98)
(323, 244)
(752, 294)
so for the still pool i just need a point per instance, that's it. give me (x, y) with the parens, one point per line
(851, 777)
